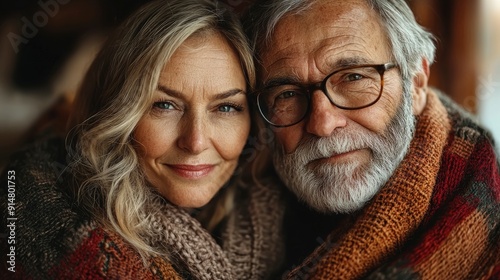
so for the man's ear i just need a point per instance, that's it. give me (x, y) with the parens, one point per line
(420, 88)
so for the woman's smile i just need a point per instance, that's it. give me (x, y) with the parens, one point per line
(192, 171)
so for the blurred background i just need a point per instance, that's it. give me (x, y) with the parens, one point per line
(47, 45)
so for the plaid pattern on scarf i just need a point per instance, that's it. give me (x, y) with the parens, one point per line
(438, 217)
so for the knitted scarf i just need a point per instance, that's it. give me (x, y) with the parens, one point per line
(55, 241)
(436, 218)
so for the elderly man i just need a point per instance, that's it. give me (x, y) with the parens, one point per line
(393, 180)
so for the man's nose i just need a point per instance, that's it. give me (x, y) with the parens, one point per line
(193, 137)
(324, 117)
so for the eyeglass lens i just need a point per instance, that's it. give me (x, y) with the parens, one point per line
(350, 88)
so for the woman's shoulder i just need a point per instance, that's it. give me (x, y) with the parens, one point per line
(53, 238)
(40, 161)
(42, 214)
(36, 196)
(87, 251)
(100, 253)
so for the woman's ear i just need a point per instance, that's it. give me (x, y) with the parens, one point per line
(420, 88)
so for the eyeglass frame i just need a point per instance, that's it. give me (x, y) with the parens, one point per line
(309, 88)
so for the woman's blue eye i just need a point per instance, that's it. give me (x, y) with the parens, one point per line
(226, 108)
(163, 105)
(230, 108)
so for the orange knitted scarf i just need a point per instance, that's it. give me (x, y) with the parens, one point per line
(390, 228)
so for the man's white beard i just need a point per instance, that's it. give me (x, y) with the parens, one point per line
(346, 187)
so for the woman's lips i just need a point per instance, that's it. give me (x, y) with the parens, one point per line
(191, 171)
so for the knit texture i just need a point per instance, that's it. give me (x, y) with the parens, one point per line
(436, 218)
(54, 240)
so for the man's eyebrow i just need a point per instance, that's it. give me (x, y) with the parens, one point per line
(347, 62)
(333, 65)
(277, 81)
(218, 96)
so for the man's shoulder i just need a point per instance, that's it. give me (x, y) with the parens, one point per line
(465, 125)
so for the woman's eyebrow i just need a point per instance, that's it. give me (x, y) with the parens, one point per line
(169, 91)
(218, 96)
(228, 94)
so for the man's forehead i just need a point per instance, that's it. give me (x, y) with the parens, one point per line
(351, 29)
(318, 21)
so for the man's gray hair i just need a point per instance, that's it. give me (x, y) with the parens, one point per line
(410, 42)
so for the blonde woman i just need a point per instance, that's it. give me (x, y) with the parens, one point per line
(157, 132)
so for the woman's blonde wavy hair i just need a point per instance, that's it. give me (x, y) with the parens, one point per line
(115, 94)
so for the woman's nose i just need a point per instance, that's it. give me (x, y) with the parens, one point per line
(193, 137)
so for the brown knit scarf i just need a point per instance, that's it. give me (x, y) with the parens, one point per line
(181, 237)
(252, 239)
(394, 213)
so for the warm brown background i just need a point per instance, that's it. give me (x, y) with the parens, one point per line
(455, 24)
(40, 79)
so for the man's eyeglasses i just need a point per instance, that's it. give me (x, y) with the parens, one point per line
(349, 88)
